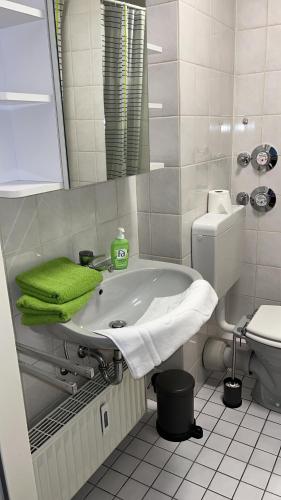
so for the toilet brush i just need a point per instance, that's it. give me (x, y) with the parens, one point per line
(232, 385)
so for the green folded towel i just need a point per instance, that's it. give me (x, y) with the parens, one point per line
(37, 312)
(58, 281)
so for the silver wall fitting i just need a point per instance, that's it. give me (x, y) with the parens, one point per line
(69, 387)
(263, 199)
(245, 121)
(83, 371)
(264, 158)
(114, 379)
(242, 198)
(243, 159)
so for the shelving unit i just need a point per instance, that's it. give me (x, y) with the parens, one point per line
(154, 49)
(30, 161)
(18, 189)
(13, 14)
(19, 98)
(155, 105)
(156, 166)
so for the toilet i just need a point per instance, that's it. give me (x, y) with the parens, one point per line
(216, 254)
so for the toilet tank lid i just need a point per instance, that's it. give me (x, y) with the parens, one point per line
(213, 224)
(266, 323)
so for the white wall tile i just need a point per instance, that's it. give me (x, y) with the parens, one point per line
(251, 13)
(249, 94)
(273, 44)
(224, 11)
(250, 51)
(274, 12)
(164, 190)
(106, 201)
(164, 137)
(165, 235)
(272, 93)
(269, 249)
(165, 93)
(162, 30)
(268, 283)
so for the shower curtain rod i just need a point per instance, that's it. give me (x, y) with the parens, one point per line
(118, 2)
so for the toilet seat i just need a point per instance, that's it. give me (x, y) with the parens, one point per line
(265, 326)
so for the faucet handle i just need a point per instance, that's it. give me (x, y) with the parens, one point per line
(86, 257)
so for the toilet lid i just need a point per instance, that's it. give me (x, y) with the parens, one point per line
(266, 323)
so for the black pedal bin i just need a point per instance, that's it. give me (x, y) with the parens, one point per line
(175, 405)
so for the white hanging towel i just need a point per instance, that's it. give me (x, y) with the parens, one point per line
(167, 324)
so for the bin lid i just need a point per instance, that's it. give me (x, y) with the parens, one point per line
(174, 382)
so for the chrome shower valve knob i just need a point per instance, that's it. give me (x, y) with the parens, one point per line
(243, 159)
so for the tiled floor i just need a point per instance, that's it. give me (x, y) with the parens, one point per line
(238, 457)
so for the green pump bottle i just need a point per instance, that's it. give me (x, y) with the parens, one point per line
(120, 250)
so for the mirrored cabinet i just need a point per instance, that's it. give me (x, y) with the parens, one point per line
(74, 110)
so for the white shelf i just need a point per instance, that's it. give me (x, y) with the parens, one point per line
(154, 49)
(18, 189)
(156, 166)
(19, 98)
(12, 14)
(155, 105)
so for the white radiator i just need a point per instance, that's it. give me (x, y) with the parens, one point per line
(69, 445)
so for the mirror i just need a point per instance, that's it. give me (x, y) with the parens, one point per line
(102, 56)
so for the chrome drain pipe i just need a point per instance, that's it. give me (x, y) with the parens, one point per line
(103, 364)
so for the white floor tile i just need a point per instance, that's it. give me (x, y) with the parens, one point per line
(225, 429)
(247, 492)
(253, 423)
(217, 398)
(211, 383)
(246, 436)
(210, 458)
(155, 495)
(94, 479)
(189, 490)
(204, 393)
(274, 485)
(200, 474)
(244, 407)
(83, 492)
(124, 443)
(132, 490)
(149, 434)
(146, 473)
(178, 465)
(98, 494)
(270, 496)
(167, 483)
(167, 445)
(232, 467)
(232, 416)
(112, 457)
(257, 410)
(272, 429)
(112, 481)
(224, 485)
(199, 403)
(206, 421)
(269, 444)
(274, 417)
(210, 495)
(138, 448)
(188, 449)
(157, 456)
(240, 451)
(125, 464)
(256, 476)
(213, 409)
(136, 429)
(277, 467)
(263, 460)
(218, 443)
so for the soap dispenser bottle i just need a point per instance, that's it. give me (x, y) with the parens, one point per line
(120, 250)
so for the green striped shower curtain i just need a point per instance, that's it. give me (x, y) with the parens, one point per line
(125, 90)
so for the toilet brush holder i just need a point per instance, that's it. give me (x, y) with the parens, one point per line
(232, 392)
(232, 395)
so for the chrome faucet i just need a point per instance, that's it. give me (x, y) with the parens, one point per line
(87, 258)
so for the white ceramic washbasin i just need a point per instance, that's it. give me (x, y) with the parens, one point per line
(124, 295)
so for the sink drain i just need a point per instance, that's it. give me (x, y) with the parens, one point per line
(118, 323)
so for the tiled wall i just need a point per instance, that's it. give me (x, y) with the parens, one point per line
(258, 97)
(61, 223)
(192, 135)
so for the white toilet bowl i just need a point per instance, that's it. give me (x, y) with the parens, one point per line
(263, 336)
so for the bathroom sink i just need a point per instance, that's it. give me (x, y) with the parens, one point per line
(125, 296)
